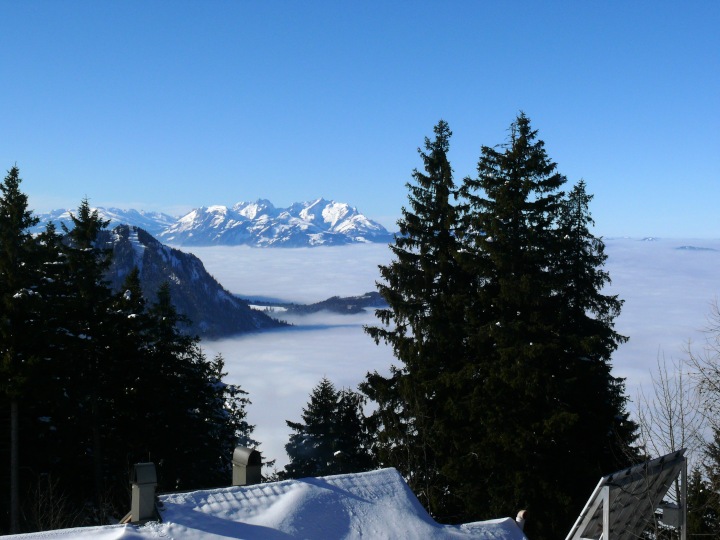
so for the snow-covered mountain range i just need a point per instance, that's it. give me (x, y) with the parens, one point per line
(259, 224)
(152, 222)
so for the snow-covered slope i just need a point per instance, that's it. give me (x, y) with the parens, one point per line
(376, 504)
(213, 312)
(260, 224)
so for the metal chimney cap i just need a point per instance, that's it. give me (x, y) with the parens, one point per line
(246, 457)
(143, 473)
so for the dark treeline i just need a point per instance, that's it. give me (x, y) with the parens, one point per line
(93, 381)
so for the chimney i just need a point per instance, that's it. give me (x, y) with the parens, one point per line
(246, 466)
(521, 518)
(144, 480)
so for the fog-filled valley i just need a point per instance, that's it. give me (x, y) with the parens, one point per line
(668, 286)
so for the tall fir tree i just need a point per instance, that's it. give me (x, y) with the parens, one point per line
(354, 441)
(19, 315)
(496, 314)
(310, 447)
(188, 419)
(425, 289)
(88, 304)
(586, 324)
(542, 335)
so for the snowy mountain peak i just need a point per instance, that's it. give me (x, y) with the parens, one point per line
(334, 213)
(328, 212)
(261, 224)
(255, 209)
(319, 222)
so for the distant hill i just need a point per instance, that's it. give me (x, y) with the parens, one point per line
(347, 305)
(258, 224)
(213, 311)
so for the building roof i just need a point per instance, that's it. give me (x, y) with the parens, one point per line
(377, 504)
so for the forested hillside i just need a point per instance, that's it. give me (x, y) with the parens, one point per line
(210, 310)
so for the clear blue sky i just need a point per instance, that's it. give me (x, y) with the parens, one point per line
(170, 105)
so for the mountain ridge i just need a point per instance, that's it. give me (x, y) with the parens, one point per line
(319, 222)
(212, 311)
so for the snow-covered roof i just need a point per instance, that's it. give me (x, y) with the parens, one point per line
(376, 504)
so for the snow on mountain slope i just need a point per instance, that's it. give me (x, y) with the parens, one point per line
(257, 209)
(260, 224)
(152, 222)
(211, 309)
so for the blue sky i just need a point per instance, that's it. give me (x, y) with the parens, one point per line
(170, 105)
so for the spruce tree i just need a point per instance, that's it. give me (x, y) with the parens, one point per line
(311, 446)
(101, 380)
(126, 365)
(426, 291)
(332, 437)
(19, 312)
(353, 441)
(703, 501)
(541, 334)
(88, 304)
(504, 337)
(188, 419)
(586, 323)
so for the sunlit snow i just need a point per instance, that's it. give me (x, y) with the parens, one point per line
(377, 505)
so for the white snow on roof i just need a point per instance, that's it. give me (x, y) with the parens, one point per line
(376, 504)
(107, 532)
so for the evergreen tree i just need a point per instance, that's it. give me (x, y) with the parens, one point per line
(425, 289)
(97, 381)
(586, 324)
(126, 364)
(89, 367)
(311, 447)
(703, 514)
(496, 314)
(353, 440)
(19, 281)
(542, 334)
(61, 449)
(188, 421)
(332, 438)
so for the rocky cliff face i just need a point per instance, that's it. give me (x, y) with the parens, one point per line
(213, 311)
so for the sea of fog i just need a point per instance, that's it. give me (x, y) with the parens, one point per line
(668, 286)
